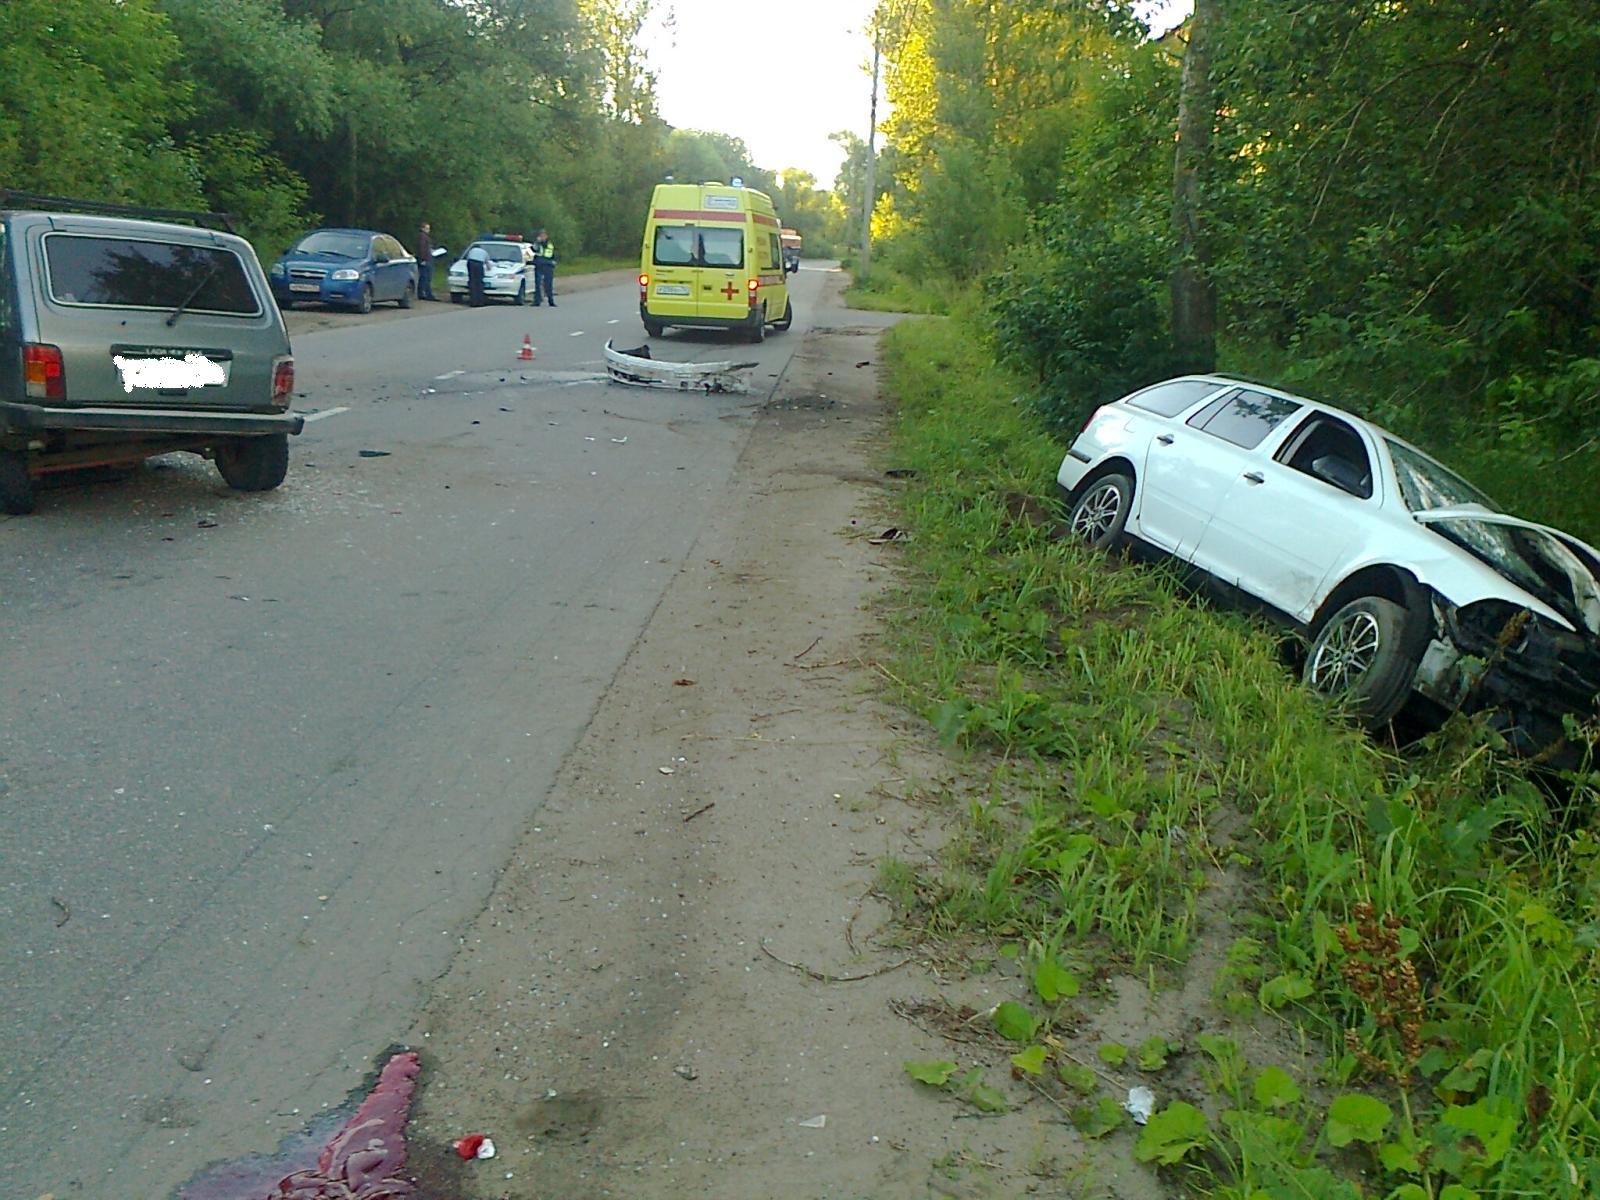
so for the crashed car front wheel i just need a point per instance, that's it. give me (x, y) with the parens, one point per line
(1365, 653)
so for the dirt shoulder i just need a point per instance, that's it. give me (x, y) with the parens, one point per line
(618, 1019)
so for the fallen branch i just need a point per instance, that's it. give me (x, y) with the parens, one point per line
(698, 811)
(821, 977)
(808, 649)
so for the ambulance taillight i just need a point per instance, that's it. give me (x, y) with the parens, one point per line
(644, 287)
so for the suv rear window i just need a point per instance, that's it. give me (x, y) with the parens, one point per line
(126, 273)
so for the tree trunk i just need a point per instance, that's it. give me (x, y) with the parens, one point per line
(1194, 295)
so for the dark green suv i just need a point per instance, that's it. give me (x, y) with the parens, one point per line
(126, 333)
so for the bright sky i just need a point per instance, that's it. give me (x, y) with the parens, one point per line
(815, 73)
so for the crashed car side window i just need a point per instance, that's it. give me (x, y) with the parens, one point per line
(1330, 450)
(1170, 399)
(1243, 417)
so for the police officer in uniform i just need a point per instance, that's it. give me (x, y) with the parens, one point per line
(544, 268)
(477, 264)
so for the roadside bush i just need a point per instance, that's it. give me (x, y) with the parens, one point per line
(1082, 311)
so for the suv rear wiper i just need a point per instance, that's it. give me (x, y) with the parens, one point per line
(189, 299)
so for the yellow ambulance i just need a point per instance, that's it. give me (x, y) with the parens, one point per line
(713, 260)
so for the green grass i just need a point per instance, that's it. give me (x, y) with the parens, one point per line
(591, 264)
(1142, 750)
(888, 290)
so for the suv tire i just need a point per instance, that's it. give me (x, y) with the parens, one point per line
(254, 464)
(16, 485)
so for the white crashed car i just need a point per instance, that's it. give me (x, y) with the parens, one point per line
(1404, 577)
(509, 275)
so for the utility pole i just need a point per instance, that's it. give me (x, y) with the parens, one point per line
(872, 168)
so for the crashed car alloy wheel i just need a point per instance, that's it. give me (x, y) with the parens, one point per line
(1344, 653)
(1363, 652)
(1100, 514)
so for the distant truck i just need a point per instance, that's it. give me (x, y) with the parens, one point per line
(791, 249)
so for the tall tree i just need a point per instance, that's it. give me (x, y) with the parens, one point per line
(1194, 293)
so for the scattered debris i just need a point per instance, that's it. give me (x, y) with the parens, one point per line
(66, 913)
(892, 534)
(621, 441)
(902, 473)
(808, 649)
(685, 1071)
(819, 1121)
(698, 811)
(685, 682)
(372, 453)
(865, 362)
(1141, 1102)
(206, 523)
(474, 1145)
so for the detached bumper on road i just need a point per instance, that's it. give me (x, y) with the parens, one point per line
(148, 420)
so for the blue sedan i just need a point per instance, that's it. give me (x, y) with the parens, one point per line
(351, 268)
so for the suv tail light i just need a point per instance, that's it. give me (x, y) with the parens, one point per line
(44, 372)
(282, 381)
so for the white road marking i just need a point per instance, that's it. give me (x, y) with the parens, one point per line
(618, 322)
(327, 412)
(449, 374)
(576, 333)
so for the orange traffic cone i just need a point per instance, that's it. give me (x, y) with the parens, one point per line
(526, 353)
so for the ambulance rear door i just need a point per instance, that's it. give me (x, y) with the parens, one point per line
(672, 270)
(723, 244)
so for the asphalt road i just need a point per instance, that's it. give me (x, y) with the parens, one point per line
(262, 756)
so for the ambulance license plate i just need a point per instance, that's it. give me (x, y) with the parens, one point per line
(672, 289)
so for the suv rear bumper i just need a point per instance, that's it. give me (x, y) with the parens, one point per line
(147, 420)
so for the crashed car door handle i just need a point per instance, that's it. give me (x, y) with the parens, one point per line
(1254, 477)
(1165, 439)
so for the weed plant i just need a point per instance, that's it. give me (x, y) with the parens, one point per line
(1426, 918)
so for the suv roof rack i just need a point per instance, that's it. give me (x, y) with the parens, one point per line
(10, 198)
